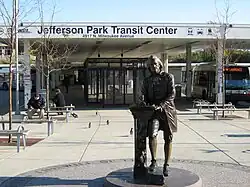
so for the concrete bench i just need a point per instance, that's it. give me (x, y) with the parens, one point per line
(70, 107)
(50, 123)
(200, 106)
(19, 132)
(199, 101)
(67, 113)
(231, 109)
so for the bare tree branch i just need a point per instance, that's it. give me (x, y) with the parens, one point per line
(9, 18)
(54, 53)
(5, 14)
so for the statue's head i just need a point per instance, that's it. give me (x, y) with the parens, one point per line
(154, 64)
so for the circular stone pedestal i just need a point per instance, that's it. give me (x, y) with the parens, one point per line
(177, 178)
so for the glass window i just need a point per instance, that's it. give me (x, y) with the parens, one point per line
(7, 51)
(203, 78)
(196, 78)
(183, 76)
(236, 75)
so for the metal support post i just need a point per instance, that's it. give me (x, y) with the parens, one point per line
(16, 7)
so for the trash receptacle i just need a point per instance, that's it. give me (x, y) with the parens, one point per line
(178, 90)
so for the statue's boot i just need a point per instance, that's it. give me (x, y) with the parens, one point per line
(165, 169)
(152, 166)
(167, 150)
(153, 148)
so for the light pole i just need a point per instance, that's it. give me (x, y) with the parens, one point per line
(16, 9)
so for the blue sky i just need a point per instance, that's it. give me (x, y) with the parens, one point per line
(186, 11)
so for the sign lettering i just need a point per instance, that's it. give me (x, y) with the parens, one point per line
(233, 69)
(110, 31)
(23, 30)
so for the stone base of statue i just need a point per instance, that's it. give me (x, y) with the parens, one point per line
(177, 178)
(141, 114)
(155, 177)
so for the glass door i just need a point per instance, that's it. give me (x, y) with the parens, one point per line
(119, 87)
(113, 85)
(109, 86)
(94, 95)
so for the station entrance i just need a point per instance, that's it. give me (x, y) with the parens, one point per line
(113, 81)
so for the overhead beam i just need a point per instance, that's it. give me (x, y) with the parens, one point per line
(134, 48)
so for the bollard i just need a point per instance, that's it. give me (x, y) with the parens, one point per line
(18, 143)
(52, 127)
(107, 122)
(49, 128)
(67, 115)
(89, 124)
(96, 113)
(19, 129)
(131, 131)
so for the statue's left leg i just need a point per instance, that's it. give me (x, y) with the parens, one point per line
(152, 133)
(167, 151)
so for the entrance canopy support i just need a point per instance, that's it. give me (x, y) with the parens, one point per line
(188, 70)
(164, 59)
(219, 67)
(26, 74)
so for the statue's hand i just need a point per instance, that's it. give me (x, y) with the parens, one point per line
(142, 103)
(158, 108)
(141, 98)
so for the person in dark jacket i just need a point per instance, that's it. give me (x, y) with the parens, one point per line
(59, 99)
(36, 104)
(66, 82)
(158, 90)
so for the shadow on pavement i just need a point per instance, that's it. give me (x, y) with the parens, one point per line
(49, 181)
(237, 135)
(182, 104)
(212, 150)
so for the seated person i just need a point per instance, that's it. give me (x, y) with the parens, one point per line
(59, 100)
(36, 104)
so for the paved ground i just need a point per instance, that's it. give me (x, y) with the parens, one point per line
(201, 145)
(92, 173)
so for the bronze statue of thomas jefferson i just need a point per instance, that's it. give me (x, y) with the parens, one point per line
(158, 90)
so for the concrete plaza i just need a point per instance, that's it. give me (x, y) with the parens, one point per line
(217, 150)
